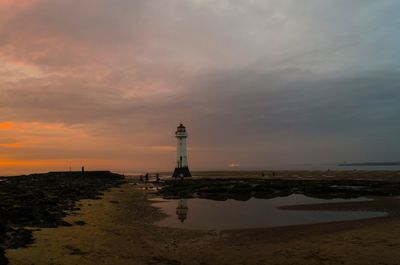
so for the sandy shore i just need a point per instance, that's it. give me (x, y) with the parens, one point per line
(119, 230)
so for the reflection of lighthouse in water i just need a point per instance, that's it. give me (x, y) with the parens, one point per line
(182, 210)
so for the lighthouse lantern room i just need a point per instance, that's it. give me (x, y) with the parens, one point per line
(182, 169)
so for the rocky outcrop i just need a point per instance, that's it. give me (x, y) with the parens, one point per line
(42, 200)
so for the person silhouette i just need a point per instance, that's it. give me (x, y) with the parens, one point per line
(157, 177)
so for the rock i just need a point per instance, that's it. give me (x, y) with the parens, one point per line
(43, 200)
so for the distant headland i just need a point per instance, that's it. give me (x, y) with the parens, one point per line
(370, 164)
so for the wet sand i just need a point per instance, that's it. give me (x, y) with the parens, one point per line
(119, 230)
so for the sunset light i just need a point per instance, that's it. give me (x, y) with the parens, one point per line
(199, 132)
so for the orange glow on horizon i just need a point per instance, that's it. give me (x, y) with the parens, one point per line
(29, 163)
(6, 125)
(12, 145)
(41, 147)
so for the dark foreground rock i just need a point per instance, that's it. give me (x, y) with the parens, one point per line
(43, 200)
(244, 189)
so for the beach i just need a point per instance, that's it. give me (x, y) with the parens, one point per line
(119, 229)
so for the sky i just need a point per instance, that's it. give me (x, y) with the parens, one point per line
(260, 83)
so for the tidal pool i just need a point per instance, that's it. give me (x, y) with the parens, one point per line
(208, 214)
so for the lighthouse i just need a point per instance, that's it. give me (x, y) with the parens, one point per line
(182, 169)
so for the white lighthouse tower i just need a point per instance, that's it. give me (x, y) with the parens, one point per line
(182, 169)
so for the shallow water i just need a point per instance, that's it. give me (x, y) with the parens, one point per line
(254, 213)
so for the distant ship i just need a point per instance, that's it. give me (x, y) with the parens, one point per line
(234, 165)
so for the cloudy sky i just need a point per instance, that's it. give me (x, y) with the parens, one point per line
(262, 83)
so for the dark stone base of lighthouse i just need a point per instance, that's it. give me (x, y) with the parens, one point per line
(180, 172)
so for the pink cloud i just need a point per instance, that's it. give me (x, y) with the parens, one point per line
(17, 3)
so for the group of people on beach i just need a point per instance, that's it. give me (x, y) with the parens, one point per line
(146, 177)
